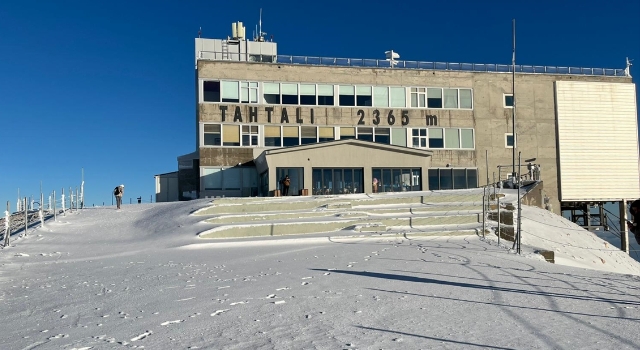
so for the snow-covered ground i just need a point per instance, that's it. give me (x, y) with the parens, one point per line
(142, 278)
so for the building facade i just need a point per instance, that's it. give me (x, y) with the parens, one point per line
(416, 125)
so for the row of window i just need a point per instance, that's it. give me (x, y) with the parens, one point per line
(341, 180)
(223, 91)
(452, 179)
(235, 135)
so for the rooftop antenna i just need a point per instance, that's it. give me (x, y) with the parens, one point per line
(391, 56)
(261, 34)
(199, 32)
(627, 70)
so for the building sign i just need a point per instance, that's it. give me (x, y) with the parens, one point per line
(287, 115)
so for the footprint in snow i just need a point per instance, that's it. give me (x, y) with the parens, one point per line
(305, 283)
(142, 336)
(171, 322)
(239, 302)
(271, 296)
(283, 288)
(218, 312)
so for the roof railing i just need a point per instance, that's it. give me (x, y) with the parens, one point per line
(420, 65)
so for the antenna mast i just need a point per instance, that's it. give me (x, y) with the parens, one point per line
(513, 110)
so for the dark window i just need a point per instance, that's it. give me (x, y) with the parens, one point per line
(325, 100)
(434, 180)
(508, 100)
(211, 91)
(382, 135)
(307, 100)
(365, 134)
(446, 179)
(459, 179)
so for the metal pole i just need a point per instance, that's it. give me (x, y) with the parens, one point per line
(7, 224)
(624, 234)
(26, 213)
(41, 210)
(82, 189)
(486, 157)
(498, 201)
(484, 224)
(513, 91)
(64, 212)
(77, 198)
(55, 214)
(519, 206)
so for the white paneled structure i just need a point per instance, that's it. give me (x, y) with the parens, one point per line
(598, 141)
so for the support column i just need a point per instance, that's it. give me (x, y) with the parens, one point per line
(624, 235)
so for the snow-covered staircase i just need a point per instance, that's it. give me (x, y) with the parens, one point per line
(457, 212)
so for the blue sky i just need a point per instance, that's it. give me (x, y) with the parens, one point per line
(108, 87)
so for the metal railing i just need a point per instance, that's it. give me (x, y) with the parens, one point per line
(424, 65)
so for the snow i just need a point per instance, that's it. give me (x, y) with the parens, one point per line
(141, 277)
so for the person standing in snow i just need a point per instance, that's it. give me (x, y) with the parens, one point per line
(118, 192)
(634, 226)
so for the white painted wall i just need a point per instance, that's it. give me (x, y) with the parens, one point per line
(598, 141)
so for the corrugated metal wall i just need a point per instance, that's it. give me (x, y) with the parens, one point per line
(597, 141)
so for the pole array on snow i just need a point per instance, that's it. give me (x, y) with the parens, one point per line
(519, 201)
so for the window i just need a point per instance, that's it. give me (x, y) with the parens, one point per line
(271, 93)
(325, 95)
(230, 91)
(289, 93)
(290, 136)
(418, 97)
(509, 140)
(308, 134)
(436, 139)
(248, 92)
(347, 95)
(466, 100)
(396, 179)
(250, 135)
(231, 135)
(397, 97)
(450, 98)
(211, 91)
(508, 100)
(272, 136)
(336, 180)
(419, 137)
(347, 133)
(381, 96)
(452, 138)
(434, 98)
(365, 134)
(308, 94)
(212, 135)
(326, 134)
(382, 135)
(399, 137)
(466, 138)
(363, 96)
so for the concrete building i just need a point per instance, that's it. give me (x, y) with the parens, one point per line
(333, 125)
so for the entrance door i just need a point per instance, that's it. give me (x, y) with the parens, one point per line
(296, 175)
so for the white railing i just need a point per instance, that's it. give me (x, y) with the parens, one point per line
(422, 65)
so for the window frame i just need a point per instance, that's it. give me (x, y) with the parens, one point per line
(506, 140)
(504, 100)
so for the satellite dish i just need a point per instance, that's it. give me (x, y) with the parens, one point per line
(390, 55)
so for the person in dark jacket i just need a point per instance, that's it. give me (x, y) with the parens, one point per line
(118, 192)
(285, 185)
(634, 226)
